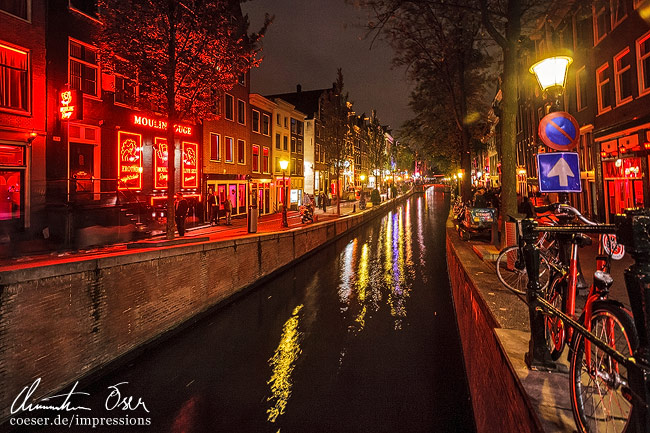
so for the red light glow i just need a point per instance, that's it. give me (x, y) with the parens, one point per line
(160, 168)
(129, 157)
(190, 177)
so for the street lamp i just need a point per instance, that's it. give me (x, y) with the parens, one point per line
(283, 165)
(551, 75)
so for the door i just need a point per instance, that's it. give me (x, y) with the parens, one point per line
(81, 170)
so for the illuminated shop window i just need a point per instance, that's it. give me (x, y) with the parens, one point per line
(11, 186)
(265, 159)
(14, 79)
(84, 68)
(256, 158)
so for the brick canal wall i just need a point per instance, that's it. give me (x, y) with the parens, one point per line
(494, 385)
(64, 321)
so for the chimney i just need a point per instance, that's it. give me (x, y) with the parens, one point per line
(298, 88)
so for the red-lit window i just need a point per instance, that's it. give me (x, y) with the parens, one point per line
(619, 12)
(623, 76)
(230, 107)
(255, 120)
(19, 8)
(126, 90)
(12, 155)
(643, 63)
(256, 158)
(241, 152)
(265, 160)
(84, 68)
(14, 79)
(229, 149)
(11, 182)
(603, 89)
(601, 21)
(241, 112)
(215, 147)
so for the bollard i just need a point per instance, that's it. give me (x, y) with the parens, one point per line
(634, 232)
(354, 208)
(538, 356)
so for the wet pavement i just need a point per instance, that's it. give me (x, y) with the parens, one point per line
(359, 337)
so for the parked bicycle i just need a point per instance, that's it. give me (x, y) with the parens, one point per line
(510, 265)
(600, 394)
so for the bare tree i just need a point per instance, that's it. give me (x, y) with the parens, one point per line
(377, 156)
(182, 54)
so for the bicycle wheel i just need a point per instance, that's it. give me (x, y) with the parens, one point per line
(554, 326)
(511, 270)
(598, 386)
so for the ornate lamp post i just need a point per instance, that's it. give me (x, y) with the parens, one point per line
(283, 165)
(551, 75)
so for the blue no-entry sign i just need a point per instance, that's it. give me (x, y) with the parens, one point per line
(559, 130)
(558, 172)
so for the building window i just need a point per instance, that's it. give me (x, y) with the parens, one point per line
(299, 128)
(256, 158)
(266, 125)
(87, 7)
(603, 89)
(285, 142)
(277, 141)
(601, 22)
(299, 170)
(643, 63)
(286, 122)
(293, 144)
(255, 120)
(230, 107)
(294, 125)
(14, 79)
(126, 90)
(84, 68)
(293, 166)
(265, 159)
(619, 12)
(241, 112)
(277, 119)
(299, 147)
(241, 79)
(229, 149)
(623, 76)
(241, 149)
(215, 147)
(581, 88)
(18, 8)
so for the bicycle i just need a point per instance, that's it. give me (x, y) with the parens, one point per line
(598, 383)
(510, 265)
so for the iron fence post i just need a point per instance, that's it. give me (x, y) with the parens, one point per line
(634, 232)
(538, 356)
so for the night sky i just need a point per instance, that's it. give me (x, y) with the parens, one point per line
(310, 39)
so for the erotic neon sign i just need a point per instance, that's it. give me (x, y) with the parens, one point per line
(160, 163)
(66, 108)
(129, 160)
(190, 165)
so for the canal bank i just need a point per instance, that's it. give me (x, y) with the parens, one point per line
(66, 321)
(494, 328)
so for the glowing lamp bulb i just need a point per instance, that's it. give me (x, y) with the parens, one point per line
(618, 162)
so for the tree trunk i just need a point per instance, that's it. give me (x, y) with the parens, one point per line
(171, 133)
(509, 117)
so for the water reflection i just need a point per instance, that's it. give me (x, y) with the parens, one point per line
(283, 362)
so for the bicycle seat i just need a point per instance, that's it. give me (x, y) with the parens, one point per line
(581, 240)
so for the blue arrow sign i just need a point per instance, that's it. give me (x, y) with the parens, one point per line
(558, 172)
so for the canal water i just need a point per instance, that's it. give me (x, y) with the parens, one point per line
(360, 337)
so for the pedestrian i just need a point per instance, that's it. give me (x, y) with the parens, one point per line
(324, 202)
(212, 204)
(180, 213)
(214, 209)
(227, 207)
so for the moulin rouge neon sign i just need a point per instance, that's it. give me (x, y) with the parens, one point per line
(160, 124)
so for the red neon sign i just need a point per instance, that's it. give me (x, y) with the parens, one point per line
(190, 178)
(71, 105)
(160, 167)
(129, 157)
(160, 124)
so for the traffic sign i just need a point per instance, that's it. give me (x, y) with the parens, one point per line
(559, 130)
(612, 247)
(558, 172)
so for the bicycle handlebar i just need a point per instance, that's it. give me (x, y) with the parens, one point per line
(576, 212)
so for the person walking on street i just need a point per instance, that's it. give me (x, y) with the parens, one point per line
(180, 213)
(212, 206)
(227, 207)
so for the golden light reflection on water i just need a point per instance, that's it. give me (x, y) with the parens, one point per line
(282, 363)
(362, 283)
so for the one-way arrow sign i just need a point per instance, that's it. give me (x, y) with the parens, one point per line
(558, 172)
